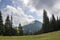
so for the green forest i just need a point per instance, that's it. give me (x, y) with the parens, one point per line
(7, 28)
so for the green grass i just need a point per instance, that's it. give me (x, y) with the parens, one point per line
(48, 36)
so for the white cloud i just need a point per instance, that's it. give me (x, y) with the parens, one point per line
(57, 5)
(52, 7)
(26, 2)
(19, 12)
(18, 15)
(32, 9)
(25, 19)
(40, 4)
(39, 14)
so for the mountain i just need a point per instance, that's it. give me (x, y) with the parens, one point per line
(32, 28)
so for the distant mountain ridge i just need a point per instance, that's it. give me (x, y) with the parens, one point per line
(32, 28)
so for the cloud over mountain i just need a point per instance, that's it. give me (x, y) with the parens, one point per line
(26, 11)
(18, 15)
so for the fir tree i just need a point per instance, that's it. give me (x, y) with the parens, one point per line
(45, 22)
(7, 26)
(53, 24)
(20, 30)
(1, 24)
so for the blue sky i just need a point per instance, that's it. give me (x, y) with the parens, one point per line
(26, 11)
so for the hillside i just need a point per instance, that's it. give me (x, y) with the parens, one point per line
(48, 36)
(33, 27)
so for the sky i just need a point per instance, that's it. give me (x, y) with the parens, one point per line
(26, 11)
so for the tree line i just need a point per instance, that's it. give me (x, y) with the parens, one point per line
(7, 29)
(50, 25)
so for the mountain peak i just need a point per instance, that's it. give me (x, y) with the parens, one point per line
(33, 27)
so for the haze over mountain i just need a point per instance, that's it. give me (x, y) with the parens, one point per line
(32, 28)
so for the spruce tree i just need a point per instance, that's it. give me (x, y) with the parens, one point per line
(11, 29)
(20, 30)
(59, 24)
(1, 24)
(53, 23)
(7, 26)
(45, 22)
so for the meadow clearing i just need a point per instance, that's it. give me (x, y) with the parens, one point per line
(47, 36)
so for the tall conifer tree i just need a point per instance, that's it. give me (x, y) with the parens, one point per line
(20, 30)
(53, 23)
(45, 22)
(7, 26)
(1, 24)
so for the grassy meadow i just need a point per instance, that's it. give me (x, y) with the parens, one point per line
(47, 36)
